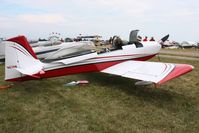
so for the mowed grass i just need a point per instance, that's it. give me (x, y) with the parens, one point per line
(193, 50)
(107, 104)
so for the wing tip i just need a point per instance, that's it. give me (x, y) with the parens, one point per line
(179, 69)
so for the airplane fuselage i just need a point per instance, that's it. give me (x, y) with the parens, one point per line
(98, 63)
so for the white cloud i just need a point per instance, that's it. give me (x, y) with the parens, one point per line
(106, 17)
(42, 18)
(34, 3)
(126, 6)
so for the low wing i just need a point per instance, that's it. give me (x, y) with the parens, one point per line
(155, 72)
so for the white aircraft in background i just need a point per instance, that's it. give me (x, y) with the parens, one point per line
(44, 43)
(47, 50)
(170, 44)
(64, 49)
(2, 51)
(186, 44)
(128, 61)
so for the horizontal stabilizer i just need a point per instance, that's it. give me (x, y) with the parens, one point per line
(31, 70)
(155, 72)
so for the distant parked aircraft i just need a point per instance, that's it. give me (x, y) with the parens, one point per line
(186, 44)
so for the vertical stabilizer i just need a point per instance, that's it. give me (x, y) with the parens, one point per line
(20, 60)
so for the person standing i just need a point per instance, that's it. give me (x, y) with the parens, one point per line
(152, 39)
(145, 39)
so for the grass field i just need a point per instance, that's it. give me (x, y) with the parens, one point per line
(183, 50)
(107, 104)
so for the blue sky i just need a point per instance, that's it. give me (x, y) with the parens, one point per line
(38, 18)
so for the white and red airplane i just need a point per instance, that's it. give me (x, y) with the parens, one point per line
(129, 61)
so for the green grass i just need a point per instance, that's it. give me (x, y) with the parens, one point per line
(194, 53)
(183, 50)
(107, 104)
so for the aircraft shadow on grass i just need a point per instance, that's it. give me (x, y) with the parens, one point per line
(159, 97)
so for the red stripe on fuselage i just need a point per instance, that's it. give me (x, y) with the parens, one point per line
(78, 69)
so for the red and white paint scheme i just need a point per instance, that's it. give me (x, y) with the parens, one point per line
(22, 63)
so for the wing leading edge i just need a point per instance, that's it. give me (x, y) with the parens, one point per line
(155, 72)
